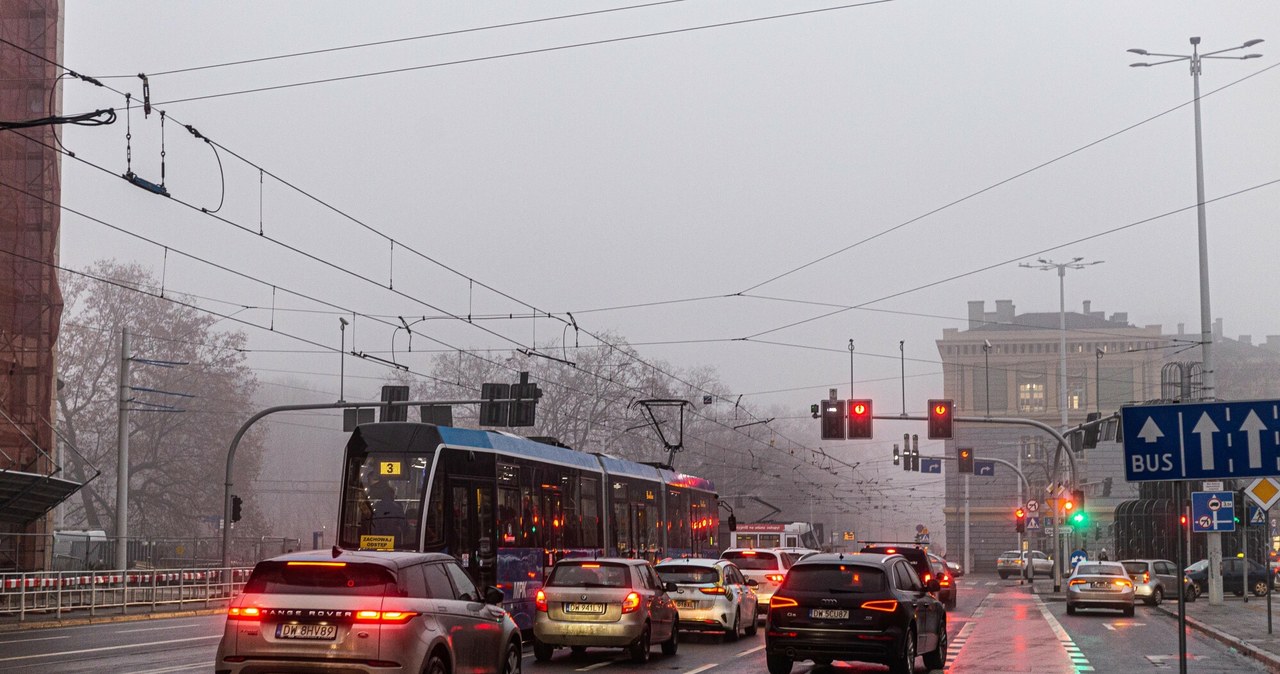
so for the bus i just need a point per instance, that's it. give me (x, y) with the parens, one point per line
(796, 535)
(508, 507)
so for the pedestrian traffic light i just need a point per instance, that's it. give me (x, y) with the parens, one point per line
(897, 455)
(966, 460)
(940, 412)
(833, 420)
(236, 502)
(859, 419)
(1020, 520)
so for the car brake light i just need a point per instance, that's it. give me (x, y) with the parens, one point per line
(1078, 582)
(1146, 576)
(245, 613)
(775, 577)
(315, 563)
(631, 603)
(927, 576)
(890, 551)
(711, 590)
(590, 566)
(1124, 583)
(748, 553)
(945, 581)
(782, 602)
(886, 605)
(384, 617)
(540, 601)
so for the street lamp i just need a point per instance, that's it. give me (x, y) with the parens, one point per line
(986, 371)
(1097, 381)
(1045, 265)
(1206, 327)
(342, 361)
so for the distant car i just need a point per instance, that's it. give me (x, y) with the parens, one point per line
(366, 611)
(917, 556)
(1100, 585)
(1232, 577)
(613, 602)
(766, 567)
(947, 587)
(956, 569)
(712, 594)
(797, 554)
(1153, 579)
(863, 607)
(1012, 563)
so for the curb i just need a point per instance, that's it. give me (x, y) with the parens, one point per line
(10, 627)
(1271, 660)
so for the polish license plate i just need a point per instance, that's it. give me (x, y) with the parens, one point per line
(686, 603)
(1100, 585)
(829, 613)
(583, 608)
(303, 631)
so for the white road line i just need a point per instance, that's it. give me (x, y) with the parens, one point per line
(108, 648)
(175, 668)
(1109, 626)
(24, 641)
(749, 652)
(703, 668)
(153, 629)
(598, 665)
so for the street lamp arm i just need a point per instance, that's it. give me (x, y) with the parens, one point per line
(1246, 45)
(1160, 63)
(1236, 58)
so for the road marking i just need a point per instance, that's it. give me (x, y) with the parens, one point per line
(1073, 651)
(108, 648)
(153, 629)
(1113, 625)
(702, 668)
(598, 665)
(23, 641)
(175, 668)
(749, 652)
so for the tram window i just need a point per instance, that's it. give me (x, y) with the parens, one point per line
(509, 524)
(434, 534)
(621, 527)
(589, 499)
(678, 538)
(570, 518)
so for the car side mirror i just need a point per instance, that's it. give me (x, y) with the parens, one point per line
(493, 595)
(751, 582)
(932, 585)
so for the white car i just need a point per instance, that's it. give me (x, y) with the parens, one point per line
(767, 567)
(1012, 563)
(712, 594)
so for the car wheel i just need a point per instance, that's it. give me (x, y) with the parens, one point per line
(1157, 596)
(436, 665)
(906, 664)
(513, 659)
(578, 650)
(778, 664)
(937, 658)
(731, 634)
(1260, 588)
(1128, 612)
(670, 646)
(542, 652)
(1071, 610)
(639, 650)
(752, 628)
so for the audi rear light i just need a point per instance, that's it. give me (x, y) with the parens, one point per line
(782, 602)
(540, 601)
(631, 603)
(886, 605)
(244, 613)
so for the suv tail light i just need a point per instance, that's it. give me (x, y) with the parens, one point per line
(782, 602)
(886, 605)
(385, 617)
(631, 603)
(945, 580)
(540, 601)
(244, 613)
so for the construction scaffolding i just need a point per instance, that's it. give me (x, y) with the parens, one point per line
(30, 301)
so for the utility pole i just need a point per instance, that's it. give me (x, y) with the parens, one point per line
(122, 459)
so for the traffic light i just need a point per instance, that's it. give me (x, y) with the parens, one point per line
(1020, 520)
(940, 412)
(897, 455)
(1077, 496)
(966, 460)
(236, 502)
(859, 419)
(1078, 519)
(833, 420)
(915, 453)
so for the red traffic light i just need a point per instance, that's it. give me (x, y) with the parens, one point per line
(940, 419)
(859, 408)
(859, 419)
(1020, 513)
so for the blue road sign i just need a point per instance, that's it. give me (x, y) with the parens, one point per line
(1033, 522)
(1257, 517)
(1213, 511)
(1201, 441)
(981, 467)
(1077, 557)
(928, 465)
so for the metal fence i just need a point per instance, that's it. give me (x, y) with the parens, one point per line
(95, 551)
(55, 594)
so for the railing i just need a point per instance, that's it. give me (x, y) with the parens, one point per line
(55, 594)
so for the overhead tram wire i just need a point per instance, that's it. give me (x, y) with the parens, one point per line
(527, 52)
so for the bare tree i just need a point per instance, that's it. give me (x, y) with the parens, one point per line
(177, 444)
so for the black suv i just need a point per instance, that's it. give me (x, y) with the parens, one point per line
(863, 607)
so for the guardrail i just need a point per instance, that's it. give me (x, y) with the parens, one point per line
(52, 594)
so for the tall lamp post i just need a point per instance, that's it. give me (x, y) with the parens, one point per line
(342, 361)
(1209, 385)
(1045, 265)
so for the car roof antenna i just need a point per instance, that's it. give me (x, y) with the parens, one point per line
(336, 551)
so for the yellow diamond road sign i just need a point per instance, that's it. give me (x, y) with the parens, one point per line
(1264, 491)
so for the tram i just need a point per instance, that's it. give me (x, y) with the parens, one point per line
(508, 507)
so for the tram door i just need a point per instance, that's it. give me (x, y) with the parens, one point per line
(640, 530)
(472, 524)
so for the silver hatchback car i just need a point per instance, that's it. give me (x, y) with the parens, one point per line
(614, 602)
(712, 594)
(1153, 579)
(1100, 585)
(366, 611)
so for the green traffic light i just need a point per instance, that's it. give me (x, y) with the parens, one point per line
(1078, 519)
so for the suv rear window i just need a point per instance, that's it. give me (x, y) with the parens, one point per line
(919, 558)
(671, 573)
(750, 560)
(333, 578)
(589, 574)
(837, 578)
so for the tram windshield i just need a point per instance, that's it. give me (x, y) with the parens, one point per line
(382, 498)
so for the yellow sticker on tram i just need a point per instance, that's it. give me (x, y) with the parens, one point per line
(378, 542)
(388, 467)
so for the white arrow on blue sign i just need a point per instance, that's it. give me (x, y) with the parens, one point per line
(928, 465)
(981, 467)
(1201, 441)
(1213, 511)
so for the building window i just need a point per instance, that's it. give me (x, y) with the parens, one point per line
(1031, 392)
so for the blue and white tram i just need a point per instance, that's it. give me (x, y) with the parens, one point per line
(508, 507)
